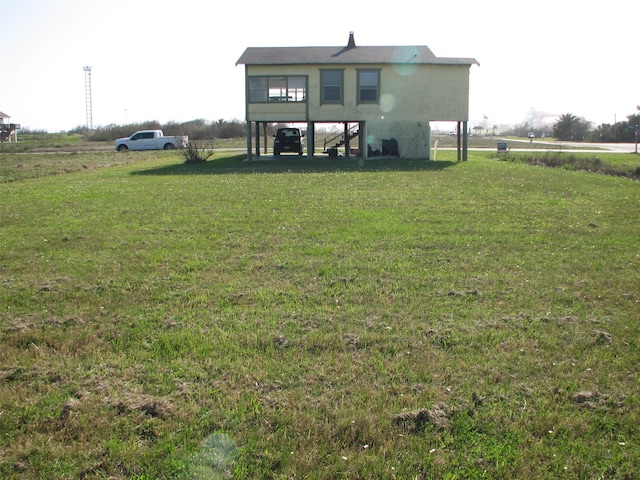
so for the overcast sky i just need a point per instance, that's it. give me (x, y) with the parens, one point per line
(175, 60)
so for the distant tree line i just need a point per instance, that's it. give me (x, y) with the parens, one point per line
(196, 129)
(619, 132)
(570, 127)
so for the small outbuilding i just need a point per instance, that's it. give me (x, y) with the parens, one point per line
(8, 130)
(384, 96)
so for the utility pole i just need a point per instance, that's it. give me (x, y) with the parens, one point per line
(87, 96)
(637, 130)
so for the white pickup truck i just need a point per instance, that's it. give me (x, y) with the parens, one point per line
(150, 140)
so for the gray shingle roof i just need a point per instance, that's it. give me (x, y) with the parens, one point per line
(343, 55)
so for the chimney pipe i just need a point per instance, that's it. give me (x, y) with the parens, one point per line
(352, 42)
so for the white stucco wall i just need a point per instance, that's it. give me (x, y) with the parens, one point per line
(422, 92)
(414, 138)
(410, 97)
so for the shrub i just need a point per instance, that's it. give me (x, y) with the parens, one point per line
(569, 162)
(194, 152)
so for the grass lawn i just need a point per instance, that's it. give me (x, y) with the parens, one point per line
(319, 319)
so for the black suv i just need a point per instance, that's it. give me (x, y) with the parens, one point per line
(288, 140)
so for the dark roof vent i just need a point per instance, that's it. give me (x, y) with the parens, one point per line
(352, 42)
